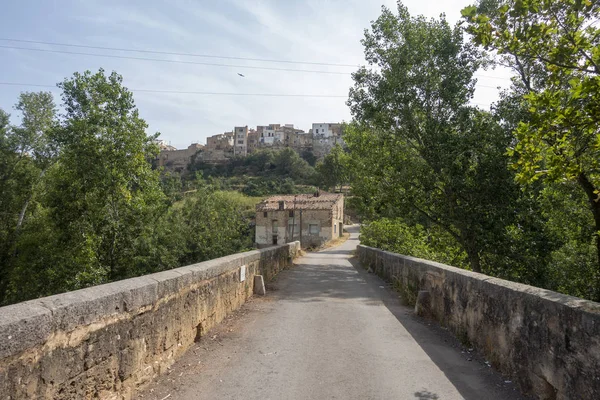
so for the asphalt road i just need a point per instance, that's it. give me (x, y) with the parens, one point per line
(330, 330)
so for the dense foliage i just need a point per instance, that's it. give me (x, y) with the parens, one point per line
(554, 49)
(263, 172)
(81, 205)
(506, 192)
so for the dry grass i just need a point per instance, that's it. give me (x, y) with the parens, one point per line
(334, 242)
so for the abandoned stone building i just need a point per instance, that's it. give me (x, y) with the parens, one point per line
(313, 219)
(176, 160)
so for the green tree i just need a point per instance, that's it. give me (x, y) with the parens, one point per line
(38, 119)
(333, 170)
(309, 156)
(289, 164)
(26, 152)
(215, 224)
(419, 150)
(101, 195)
(553, 47)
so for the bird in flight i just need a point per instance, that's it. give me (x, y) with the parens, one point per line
(241, 75)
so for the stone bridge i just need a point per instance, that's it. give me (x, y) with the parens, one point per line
(332, 326)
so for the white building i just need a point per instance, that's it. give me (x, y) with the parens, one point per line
(325, 129)
(271, 134)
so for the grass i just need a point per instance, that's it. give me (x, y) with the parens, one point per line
(334, 242)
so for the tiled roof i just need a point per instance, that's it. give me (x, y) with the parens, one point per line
(324, 201)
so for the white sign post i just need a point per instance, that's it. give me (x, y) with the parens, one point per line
(242, 273)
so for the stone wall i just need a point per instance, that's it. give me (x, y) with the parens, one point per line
(546, 342)
(105, 341)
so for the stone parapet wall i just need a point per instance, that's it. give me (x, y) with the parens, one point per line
(106, 341)
(546, 342)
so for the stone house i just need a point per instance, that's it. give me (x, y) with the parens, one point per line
(253, 140)
(223, 141)
(327, 129)
(313, 219)
(325, 136)
(177, 160)
(219, 148)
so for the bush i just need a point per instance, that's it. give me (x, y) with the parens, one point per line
(413, 240)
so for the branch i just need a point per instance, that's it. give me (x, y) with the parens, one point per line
(569, 35)
(435, 220)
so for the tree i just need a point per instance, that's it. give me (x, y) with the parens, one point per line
(333, 170)
(38, 119)
(553, 47)
(289, 164)
(309, 156)
(418, 149)
(26, 153)
(215, 225)
(103, 192)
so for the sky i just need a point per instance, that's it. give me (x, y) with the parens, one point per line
(316, 31)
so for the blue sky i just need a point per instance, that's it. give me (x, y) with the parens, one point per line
(326, 31)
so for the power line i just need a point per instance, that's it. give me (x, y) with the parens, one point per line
(197, 93)
(27, 84)
(503, 78)
(209, 64)
(177, 54)
(190, 55)
(487, 86)
(175, 61)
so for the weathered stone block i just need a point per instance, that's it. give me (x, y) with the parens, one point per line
(23, 326)
(259, 285)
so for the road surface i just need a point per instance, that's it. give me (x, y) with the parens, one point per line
(329, 330)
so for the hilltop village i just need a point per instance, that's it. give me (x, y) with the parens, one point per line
(241, 141)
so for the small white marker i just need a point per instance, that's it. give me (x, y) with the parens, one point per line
(242, 273)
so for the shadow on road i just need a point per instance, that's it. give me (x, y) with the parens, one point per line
(326, 275)
(442, 348)
(426, 395)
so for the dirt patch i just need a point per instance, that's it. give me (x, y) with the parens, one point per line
(332, 243)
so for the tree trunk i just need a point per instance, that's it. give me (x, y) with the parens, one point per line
(22, 214)
(23, 211)
(592, 195)
(474, 260)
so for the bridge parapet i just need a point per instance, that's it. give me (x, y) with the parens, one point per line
(107, 340)
(546, 342)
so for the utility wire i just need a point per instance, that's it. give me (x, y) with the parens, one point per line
(503, 78)
(193, 92)
(189, 55)
(177, 54)
(208, 64)
(175, 61)
(203, 93)
(214, 93)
